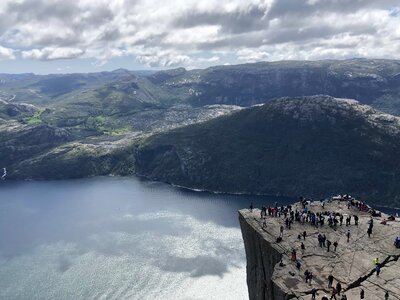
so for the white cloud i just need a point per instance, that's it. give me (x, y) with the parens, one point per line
(50, 53)
(171, 33)
(6, 53)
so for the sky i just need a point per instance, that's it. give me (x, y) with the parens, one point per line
(65, 36)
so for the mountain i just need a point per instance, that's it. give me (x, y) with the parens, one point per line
(46, 89)
(312, 146)
(370, 81)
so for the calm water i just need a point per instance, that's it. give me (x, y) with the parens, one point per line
(118, 238)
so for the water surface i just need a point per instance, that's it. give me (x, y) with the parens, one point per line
(120, 238)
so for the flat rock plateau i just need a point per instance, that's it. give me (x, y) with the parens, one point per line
(352, 264)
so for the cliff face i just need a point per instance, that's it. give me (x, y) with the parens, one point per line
(351, 264)
(262, 257)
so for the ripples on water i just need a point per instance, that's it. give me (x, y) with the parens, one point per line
(118, 238)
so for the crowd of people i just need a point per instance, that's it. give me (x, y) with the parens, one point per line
(333, 219)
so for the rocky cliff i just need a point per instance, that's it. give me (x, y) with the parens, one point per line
(351, 264)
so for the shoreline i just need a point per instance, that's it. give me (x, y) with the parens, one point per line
(144, 178)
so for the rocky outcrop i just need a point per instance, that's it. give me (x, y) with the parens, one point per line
(351, 264)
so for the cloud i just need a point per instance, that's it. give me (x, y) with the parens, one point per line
(162, 33)
(6, 53)
(50, 53)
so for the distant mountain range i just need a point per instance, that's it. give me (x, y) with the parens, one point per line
(76, 125)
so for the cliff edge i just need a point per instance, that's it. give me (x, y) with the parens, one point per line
(272, 273)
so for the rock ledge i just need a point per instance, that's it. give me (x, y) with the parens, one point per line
(351, 264)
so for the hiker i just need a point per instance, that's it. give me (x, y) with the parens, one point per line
(304, 235)
(371, 223)
(264, 224)
(328, 244)
(320, 240)
(341, 219)
(362, 294)
(376, 261)
(307, 275)
(356, 220)
(377, 269)
(251, 207)
(344, 297)
(369, 231)
(299, 236)
(335, 244)
(302, 247)
(313, 294)
(281, 230)
(386, 295)
(294, 258)
(298, 265)
(338, 288)
(334, 292)
(323, 240)
(348, 235)
(397, 242)
(330, 280)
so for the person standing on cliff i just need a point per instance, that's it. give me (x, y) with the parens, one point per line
(335, 244)
(348, 235)
(376, 261)
(356, 220)
(294, 255)
(251, 207)
(330, 280)
(369, 231)
(378, 270)
(281, 231)
(362, 294)
(386, 295)
(313, 293)
(302, 247)
(328, 244)
(304, 235)
(334, 292)
(338, 288)
(341, 219)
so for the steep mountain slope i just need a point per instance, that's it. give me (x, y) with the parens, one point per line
(315, 146)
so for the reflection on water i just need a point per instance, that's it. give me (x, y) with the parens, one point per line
(118, 238)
